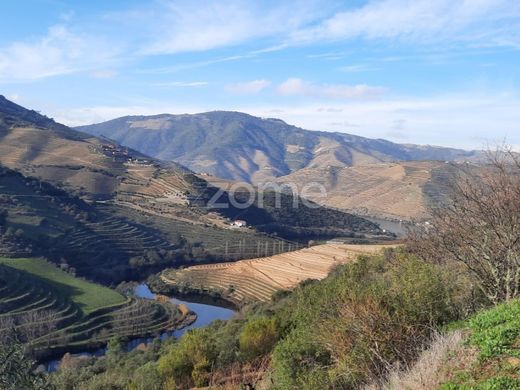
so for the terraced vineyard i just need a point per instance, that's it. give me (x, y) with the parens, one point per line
(403, 190)
(112, 238)
(52, 311)
(111, 214)
(258, 279)
(224, 244)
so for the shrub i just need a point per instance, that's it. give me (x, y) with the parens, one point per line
(299, 362)
(371, 314)
(258, 337)
(190, 358)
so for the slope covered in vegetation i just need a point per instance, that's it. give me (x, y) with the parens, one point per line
(49, 310)
(88, 296)
(494, 336)
(369, 320)
(342, 332)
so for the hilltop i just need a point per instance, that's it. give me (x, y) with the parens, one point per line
(95, 168)
(238, 146)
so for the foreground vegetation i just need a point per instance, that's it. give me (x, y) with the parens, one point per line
(361, 325)
(338, 333)
(351, 330)
(495, 336)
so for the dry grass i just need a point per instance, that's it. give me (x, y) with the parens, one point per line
(433, 367)
(251, 375)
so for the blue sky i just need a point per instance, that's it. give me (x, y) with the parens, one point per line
(442, 72)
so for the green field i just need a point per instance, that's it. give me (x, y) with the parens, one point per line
(88, 296)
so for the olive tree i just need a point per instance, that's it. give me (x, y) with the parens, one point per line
(17, 371)
(480, 226)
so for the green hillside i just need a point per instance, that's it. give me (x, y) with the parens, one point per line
(51, 312)
(495, 335)
(322, 335)
(88, 296)
(357, 328)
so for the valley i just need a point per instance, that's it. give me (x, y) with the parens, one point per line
(260, 195)
(126, 214)
(76, 210)
(363, 176)
(84, 220)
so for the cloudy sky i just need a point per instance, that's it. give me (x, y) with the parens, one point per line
(440, 72)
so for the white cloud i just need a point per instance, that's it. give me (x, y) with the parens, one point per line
(181, 84)
(103, 74)
(14, 97)
(477, 22)
(299, 87)
(167, 26)
(446, 120)
(357, 68)
(182, 26)
(194, 65)
(59, 52)
(248, 87)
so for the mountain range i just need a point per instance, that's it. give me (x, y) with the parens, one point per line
(238, 146)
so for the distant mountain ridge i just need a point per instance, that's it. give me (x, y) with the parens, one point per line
(238, 146)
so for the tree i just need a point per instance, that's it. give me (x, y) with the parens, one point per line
(3, 218)
(17, 371)
(480, 227)
(114, 348)
(190, 360)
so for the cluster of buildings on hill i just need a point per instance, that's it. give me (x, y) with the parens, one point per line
(121, 154)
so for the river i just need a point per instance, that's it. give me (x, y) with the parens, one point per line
(400, 229)
(206, 314)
